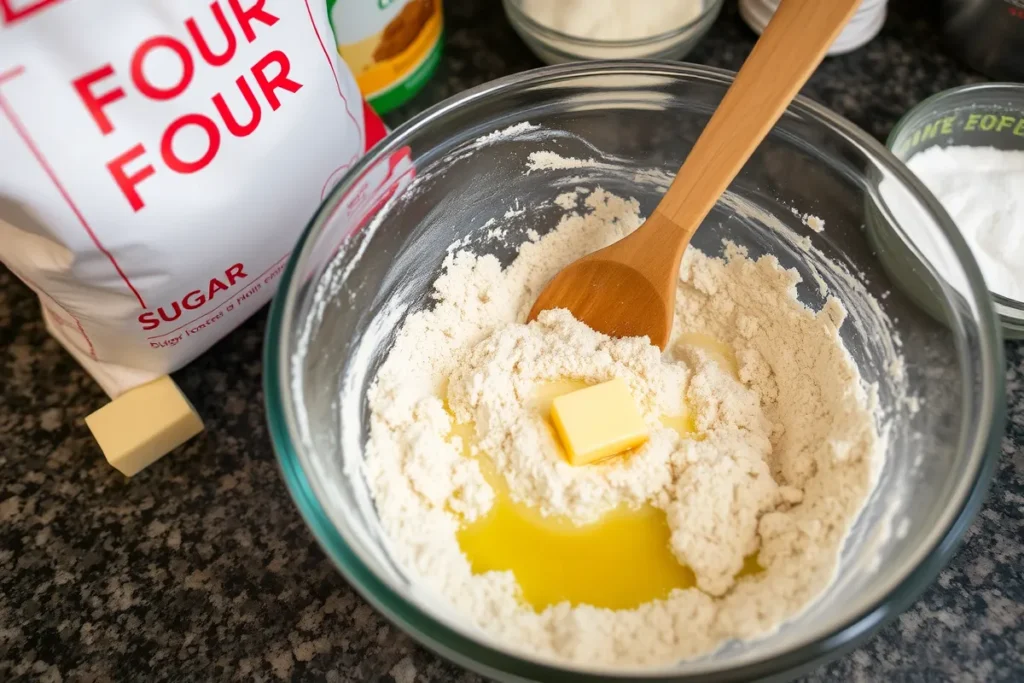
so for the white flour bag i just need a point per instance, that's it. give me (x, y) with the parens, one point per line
(158, 160)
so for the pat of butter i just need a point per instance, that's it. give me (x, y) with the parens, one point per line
(598, 422)
(142, 425)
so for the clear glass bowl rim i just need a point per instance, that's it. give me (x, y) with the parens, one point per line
(516, 14)
(935, 103)
(493, 663)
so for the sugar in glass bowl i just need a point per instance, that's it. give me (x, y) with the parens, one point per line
(361, 267)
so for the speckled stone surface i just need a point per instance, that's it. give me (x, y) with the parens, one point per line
(200, 569)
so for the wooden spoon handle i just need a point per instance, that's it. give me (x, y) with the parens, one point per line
(791, 47)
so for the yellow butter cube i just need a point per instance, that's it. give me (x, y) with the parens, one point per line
(144, 424)
(598, 422)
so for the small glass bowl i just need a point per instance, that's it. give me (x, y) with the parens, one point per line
(555, 47)
(980, 115)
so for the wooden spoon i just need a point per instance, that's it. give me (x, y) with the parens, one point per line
(628, 289)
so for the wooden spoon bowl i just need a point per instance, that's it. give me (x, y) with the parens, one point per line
(623, 290)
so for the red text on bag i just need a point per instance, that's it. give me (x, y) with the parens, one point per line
(261, 84)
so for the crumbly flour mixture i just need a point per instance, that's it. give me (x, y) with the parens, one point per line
(784, 458)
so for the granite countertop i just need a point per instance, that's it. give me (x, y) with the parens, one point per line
(200, 568)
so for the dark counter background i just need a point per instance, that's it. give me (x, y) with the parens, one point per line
(200, 567)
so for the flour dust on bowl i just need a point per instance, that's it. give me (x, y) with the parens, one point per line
(568, 155)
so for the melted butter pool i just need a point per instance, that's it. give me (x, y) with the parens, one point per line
(621, 561)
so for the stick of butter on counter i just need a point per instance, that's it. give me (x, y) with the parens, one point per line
(142, 425)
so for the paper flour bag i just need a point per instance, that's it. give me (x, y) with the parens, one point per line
(158, 160)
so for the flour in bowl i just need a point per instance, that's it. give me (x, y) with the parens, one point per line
(762, 449)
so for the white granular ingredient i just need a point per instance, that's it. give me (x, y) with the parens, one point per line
(787, 455)
(613, 19)
(980, 188)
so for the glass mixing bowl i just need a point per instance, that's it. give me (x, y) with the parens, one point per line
(364, 264)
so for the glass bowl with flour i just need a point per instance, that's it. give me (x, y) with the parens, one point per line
(817, 443)
(574, 30)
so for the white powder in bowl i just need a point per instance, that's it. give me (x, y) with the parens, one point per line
(613, 19)
(980, 188)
